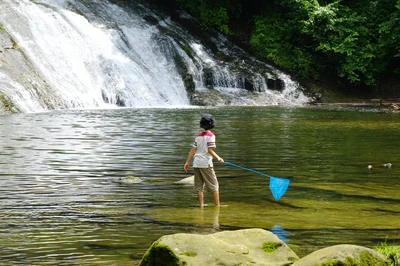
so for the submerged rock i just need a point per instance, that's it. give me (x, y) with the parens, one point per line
(387, 165)
(130, 179)
(343, 255)
(241, 247)
(186, 181)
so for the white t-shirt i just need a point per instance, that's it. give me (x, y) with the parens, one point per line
(203, 141)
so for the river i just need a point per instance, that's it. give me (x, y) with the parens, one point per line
(65, 199)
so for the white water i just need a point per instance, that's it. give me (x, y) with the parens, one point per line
(18, 94)
(111, 56)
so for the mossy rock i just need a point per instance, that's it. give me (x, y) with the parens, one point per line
(159, 254)
(241, 247)
(344, 255)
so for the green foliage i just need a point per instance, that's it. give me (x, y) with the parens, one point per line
(307, 37)
(348, 37)
(389, 31)
(213, 16)
(392, 252)
(272, 39)
(358, 40)
(217, 18)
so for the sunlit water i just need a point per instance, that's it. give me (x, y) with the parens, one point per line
(62, 202)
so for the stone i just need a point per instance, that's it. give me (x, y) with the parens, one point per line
(241, 247)
(343, 255)
(130, 179)
(186, 181)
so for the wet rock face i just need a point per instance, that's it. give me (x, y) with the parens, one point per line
(275, 84)
(6, 44)
(16, 74)
(209, 98)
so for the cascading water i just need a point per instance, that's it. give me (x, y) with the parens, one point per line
(100, 54)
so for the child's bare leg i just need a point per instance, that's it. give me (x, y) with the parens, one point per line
(215, 196)
(200, 197)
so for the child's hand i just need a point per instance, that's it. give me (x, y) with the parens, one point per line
(220, 160)
(186, 167)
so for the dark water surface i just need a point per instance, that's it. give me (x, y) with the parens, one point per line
(62, 202)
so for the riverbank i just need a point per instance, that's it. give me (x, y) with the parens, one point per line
(383, 104)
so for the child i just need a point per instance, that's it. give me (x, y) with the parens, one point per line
(203, 152)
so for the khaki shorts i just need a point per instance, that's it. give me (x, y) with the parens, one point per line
(205, 177)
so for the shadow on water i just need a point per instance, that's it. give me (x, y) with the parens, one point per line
(98, 187)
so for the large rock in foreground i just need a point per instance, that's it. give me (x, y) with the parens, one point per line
(241, 247)
(343, 255)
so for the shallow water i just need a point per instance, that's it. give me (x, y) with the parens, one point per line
(62, 200)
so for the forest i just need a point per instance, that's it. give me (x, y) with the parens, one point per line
(355, 43)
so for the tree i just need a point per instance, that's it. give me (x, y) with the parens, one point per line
(210, 15)
(357, 40)
(353, 40)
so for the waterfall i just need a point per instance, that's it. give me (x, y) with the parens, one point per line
(98, 54)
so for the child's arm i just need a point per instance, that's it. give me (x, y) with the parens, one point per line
(190, 155)
(215, 155)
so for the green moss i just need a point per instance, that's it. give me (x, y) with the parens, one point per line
(293, 259)
(331, 263)
(270, 247)
(189, 254)
(188, 50)
(7, 104)
(14, 45)
(366, 259)
(159, 254)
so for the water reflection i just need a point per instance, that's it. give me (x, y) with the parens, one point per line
(208, 217)
(66, 198)
(281, 233)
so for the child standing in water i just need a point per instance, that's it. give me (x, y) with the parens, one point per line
(203, 152)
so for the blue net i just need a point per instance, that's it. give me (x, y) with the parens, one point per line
(278, 186)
